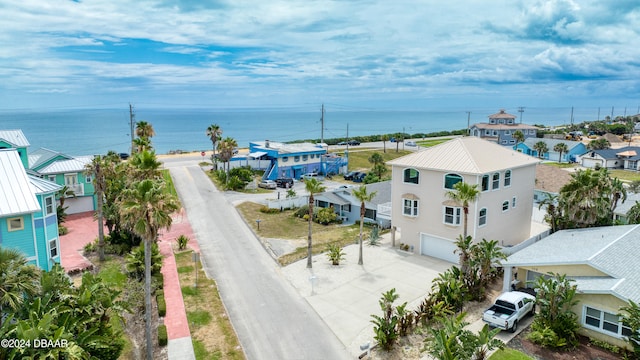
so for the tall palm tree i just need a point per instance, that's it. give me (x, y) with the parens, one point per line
(464, 194)
(541, 148)
(99, 182)
(313, 186)
(561, 148)
(487, 254)
(226, 147)
(18, 279)
(519, 136)
(144, 130)
(145, 165)
(142, 144)
(364, 197)
(633, 215)
(214, 132)
(384, 139)
(146, 208)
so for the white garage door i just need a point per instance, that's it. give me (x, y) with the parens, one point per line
(591, 163)
(438, 248)
(79, 204)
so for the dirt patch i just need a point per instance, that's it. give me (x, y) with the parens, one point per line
(584, 351)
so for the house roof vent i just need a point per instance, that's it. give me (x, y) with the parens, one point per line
(266, 143)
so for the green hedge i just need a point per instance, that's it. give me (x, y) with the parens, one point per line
(163, 338)
(162, 305)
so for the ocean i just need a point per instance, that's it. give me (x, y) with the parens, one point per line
(88, 132)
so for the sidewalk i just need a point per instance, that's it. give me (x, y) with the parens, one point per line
(83, 230)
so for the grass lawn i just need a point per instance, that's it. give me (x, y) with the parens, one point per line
(509, 354)
(359, 158)
(625, 175)
(561, 165)
(284, 225)
(433, 142)
(211, 331)
(170, 188)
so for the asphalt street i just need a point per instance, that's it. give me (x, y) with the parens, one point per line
(271, 318)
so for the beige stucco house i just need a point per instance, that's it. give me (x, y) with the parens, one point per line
(604, 264)
(429, 222)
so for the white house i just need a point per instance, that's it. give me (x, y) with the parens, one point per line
(430, 222)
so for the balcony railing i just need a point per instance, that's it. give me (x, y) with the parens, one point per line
(78, 189)
(384, 211)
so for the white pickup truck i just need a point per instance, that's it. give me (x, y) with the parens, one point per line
(509, 308)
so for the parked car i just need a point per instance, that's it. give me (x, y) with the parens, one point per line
(509, 308)
(342, 143)
(410, 143)
(123, 156)
(284, 183)
(349, 175)
(359, 176)
(309, 176)
(353, 142)
(267, 184)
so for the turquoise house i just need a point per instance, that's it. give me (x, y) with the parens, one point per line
(576, 148)
(28, 220)
(295, 160)
(15, 139)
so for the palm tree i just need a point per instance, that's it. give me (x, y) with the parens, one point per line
(364, 197)
(384, 139)
(541, 148)
(464, 246)
(144, 130)
(633, 215)
(146, 208)
(463, 194)
(313, 186)
(487, 254)
(214, 132)
(18, 279)
(145, 165)
(99, 182)
(142, 144)
(599, 144)
(519, 136)
(226, 147)
(561, 148)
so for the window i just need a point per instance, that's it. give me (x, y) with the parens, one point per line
(495, 181)
(487, 132)
(285, 159)
(410, 207)
(296, 158)
(513, 202)
(532, 131)
(505, 206)
(452, 215)
(492, 121)
(485, 182)
(411, 176)
(605, 322)
(15, 224)
(305, 157)
(482, 217)
(48, 205)
(51, 178)
(512, 141)
(53, 248)
(88, 179)
(451, 179)
(312, 156)
(507, 178)
(495, 132)
(504, 142)
(510, 121)
(507, 132)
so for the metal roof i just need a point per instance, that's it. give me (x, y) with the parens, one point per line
(65, 166)
(612, 250)
(14, 137)
(16, 196)
(283, 148)
(42, 186)
(42, 155)
(551, 143)
(466, 155)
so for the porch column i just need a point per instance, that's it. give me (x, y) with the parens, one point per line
(506, 281)
(393, 236)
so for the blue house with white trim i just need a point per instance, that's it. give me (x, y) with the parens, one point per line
(28, 220)
(295, 160)
(576, 148)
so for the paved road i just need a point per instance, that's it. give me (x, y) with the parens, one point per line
(272, 320)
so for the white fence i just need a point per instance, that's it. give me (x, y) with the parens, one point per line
(530, 241)
(288, 203)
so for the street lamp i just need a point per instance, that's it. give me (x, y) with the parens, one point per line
(258, 222)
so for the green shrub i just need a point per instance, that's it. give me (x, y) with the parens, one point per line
(90, 248)
(384, 327)
(162, 305)
(326, 216)
(301, 211)
(605, 345)
(157, 281)
(135, 261)
(268, 210)
(163, 338)
(182, 241)
(244, 173)
(62, 230)
(235, 183)
(335, 254)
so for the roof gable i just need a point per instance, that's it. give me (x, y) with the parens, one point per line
(43, 157)
(16, 196)
(468, 155)
(15, 138)
(530, 142)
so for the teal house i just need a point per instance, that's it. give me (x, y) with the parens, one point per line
(28, 220)
(15, 139)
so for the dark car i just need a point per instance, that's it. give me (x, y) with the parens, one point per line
(342, 143)
(349, 175)
(353, 142)
(123, 156)
(284, 182)
(359, 176)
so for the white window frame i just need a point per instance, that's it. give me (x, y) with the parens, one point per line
(410, 207)
(10, 227)
(482, 218)
(601, 321)
(505, 204)
(504, 142)
(507, 132)
(49, 205)
(53, 248)
(51, 178)
(88, 178)
(495, 183)
(505, 178)
(444, 183)
(456, 215)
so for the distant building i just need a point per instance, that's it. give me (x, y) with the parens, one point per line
(348, 207)
(500, 129)
(549, 181)
(623, 158)
(575, 149)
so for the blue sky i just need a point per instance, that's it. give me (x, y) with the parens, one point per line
(360, 54)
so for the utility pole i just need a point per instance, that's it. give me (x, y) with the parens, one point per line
(611, 118)
(322, 124)
(468, 123)
(521, 110)
(347, 137)
(572, 116)
(132, 124)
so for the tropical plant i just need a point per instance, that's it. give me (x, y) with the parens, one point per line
(519, 136)
(384, 138)
(142, 144)
(451, 341)
(146, 208)
(553, 215)
(487, 256)
(560, 148)
(634, 186)
(555, 324)
(182, 241)
(449, 288)
(326, 216)
(144, 165)
(62, 195)
(464, 194)
(214, 132)
(144, 130)
(630, 315)
(599, 144)
(374, 236)
(226, 147)
(94, 168)
(384, 326)
(135, 261)
(18, 279)
(376, 158)
(313, 186)
(541, 148)
(633, 215)
(463, 247)
(335, 254)
(364, 197)
(291, 193)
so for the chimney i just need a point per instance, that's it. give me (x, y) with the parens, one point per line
(266, 143)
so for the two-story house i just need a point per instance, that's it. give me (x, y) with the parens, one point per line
(500, 129)
(430, 222)
(28, 220)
